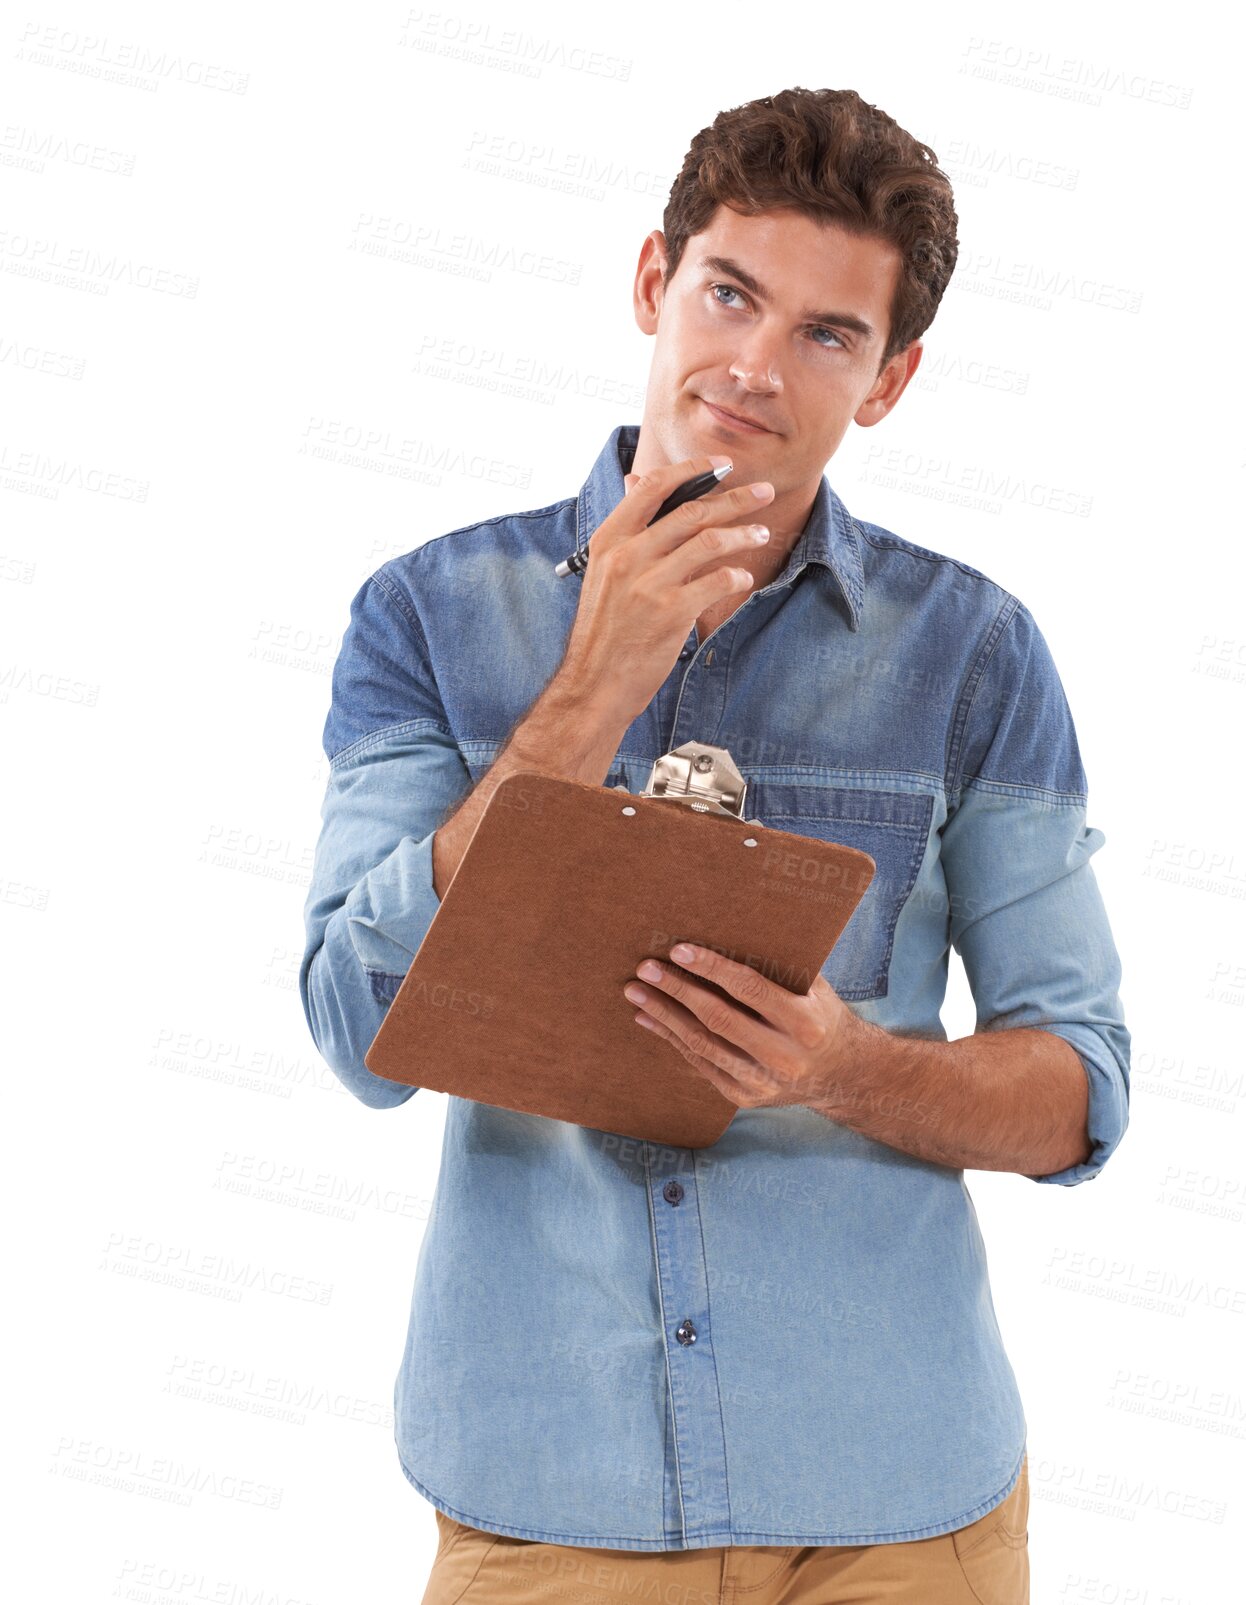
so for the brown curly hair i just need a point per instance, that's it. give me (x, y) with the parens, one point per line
(833, 156)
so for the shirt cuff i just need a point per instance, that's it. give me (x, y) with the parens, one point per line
(390, 909)
(1108, 1109)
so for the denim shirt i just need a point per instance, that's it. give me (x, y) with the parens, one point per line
(787, 1337)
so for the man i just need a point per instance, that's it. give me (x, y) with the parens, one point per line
(772, 1366)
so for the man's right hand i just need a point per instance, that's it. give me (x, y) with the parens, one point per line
(645, 587)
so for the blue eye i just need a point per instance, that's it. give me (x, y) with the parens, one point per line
(820, 328)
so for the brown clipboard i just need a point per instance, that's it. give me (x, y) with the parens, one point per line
(515, 996)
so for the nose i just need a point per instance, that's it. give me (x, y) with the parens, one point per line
(756, 366)
(757, 369)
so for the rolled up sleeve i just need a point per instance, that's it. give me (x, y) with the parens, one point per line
(395, 773)
(1025, 911)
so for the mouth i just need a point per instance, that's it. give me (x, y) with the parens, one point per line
(733, 420)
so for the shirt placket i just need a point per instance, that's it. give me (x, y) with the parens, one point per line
(695, 1502)
(701, 693)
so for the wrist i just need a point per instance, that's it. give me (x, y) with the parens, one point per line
(572, 693)
(850, 1067)
(568, 732)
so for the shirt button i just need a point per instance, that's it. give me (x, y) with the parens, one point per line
(686, 1332)
(685, 654)
(672, 1192)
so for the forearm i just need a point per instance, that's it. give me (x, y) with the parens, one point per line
(998, 1100)
(567, 732)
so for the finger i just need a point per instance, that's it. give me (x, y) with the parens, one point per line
(709, 1025)
(652, 488)
(726, 1083)
(724, 510)
(784, 1011)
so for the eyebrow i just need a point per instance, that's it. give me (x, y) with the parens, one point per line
(842, 320)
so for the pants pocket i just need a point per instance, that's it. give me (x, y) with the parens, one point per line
(449, 1532)
(993, 1552)
(460, 1551)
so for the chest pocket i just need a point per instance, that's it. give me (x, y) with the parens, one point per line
(893, 828)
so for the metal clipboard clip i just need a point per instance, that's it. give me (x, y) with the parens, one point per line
(702, 777)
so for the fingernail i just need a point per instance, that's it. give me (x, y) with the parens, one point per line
(762, 492)
(720, 462)
(682, 953)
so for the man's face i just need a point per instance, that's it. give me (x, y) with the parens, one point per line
(738, 334)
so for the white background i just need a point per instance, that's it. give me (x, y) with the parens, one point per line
(243, 363)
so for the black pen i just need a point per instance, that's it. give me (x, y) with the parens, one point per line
(687, 492)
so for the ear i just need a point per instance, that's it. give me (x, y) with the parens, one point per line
(889, 386)
(648, 289)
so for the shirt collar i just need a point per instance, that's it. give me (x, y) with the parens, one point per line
(828, 539)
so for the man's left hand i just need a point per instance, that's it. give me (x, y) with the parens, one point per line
(766, 1048)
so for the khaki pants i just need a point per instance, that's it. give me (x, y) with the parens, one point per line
(984, 1563)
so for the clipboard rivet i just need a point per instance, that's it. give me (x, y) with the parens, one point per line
(750, 841)
(629, 810)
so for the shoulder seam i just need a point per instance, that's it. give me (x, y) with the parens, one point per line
(898, 543)
(977, 673)
(483, 523)
(385, 584)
